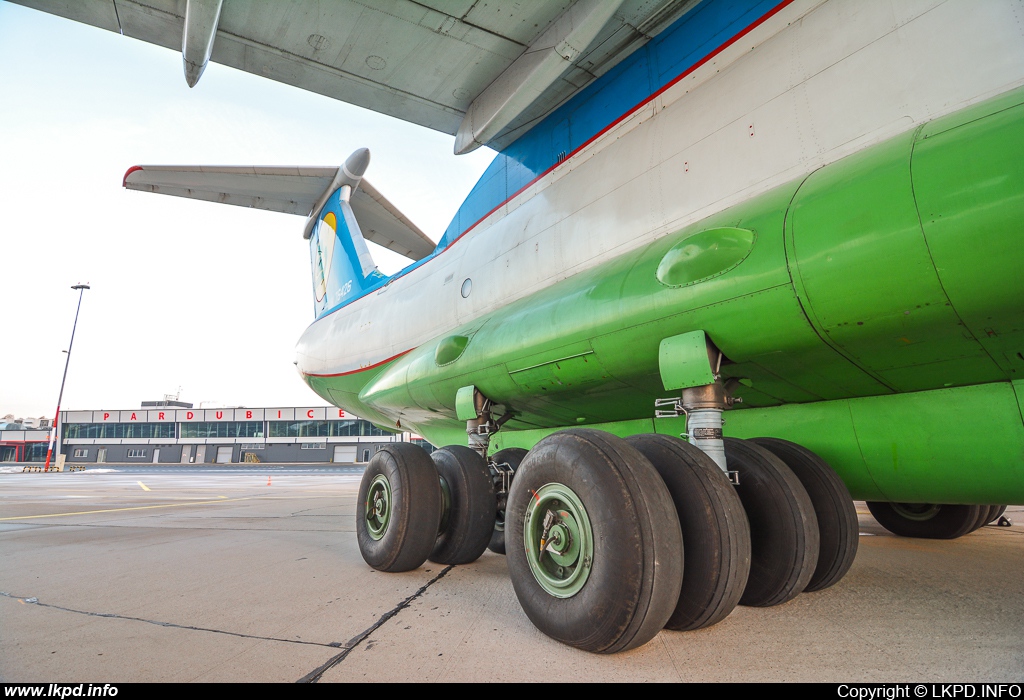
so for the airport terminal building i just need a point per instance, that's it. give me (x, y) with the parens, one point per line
(170, 434)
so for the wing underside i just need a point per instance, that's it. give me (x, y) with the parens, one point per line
(429, 62)
(290, 190)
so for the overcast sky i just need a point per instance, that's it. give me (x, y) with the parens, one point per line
(206, 297)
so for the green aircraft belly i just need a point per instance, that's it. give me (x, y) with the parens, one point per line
(873, 311)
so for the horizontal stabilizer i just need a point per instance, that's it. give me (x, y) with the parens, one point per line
(286, 189)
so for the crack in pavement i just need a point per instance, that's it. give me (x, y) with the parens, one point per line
(315, 675)
(35, 601)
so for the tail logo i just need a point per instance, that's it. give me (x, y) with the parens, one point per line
(323, 253)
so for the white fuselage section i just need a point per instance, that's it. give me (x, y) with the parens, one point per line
(817, 81)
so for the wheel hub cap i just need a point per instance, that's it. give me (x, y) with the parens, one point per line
(559, 540)
(378, 506)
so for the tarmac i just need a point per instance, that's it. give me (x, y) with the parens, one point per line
(255, 575)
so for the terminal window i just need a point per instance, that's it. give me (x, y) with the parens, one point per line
(81, 453)
(119, 430)
(323, 428)
(136, 453)
(222, 429)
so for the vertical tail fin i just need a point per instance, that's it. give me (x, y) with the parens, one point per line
(342, 266)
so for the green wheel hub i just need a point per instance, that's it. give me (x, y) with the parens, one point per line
(919, 512)
(378, 506)
(559, 540)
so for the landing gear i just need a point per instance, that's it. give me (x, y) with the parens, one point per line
(783, 527)
(504, 464)
(716, 535)
(595, 552)
(926, 520)
(595, 527)
(838, 530)
(468, 506)
(398, 509)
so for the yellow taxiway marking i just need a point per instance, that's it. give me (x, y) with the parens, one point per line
(117, 510)
(144, 487)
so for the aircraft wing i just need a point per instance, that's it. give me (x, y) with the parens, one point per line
(290, 190)
(485, 71)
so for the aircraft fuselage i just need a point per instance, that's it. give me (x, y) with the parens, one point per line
(835, 215)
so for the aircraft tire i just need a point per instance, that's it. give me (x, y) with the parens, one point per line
(398, 508)
(784, 540)
(716, 535)
(609, 578)
(838, 529)
(995, 515)
(925, 520)
(983, 517)
(513, 457)
(468, 519)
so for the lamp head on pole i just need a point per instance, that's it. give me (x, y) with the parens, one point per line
(81, 286)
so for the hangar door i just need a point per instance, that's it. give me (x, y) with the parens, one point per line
(345, 454)
(224, 455)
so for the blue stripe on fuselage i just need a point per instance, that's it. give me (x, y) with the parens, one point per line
(677, 49)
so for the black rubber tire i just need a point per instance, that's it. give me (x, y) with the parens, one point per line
(983, 517)
(947, 522)
(716, 535)
(996, 514)
(838, 529)
(513, 457)
(466, 531)
(415, 508)
(784, 539)
(637, 567)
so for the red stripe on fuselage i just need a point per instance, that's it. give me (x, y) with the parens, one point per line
(361, 369)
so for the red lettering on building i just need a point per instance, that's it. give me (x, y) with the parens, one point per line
(188, 415)
(278, 414)
(106, 415)
(248, 414)
(309, 413)
(341, 413)
(220, 414)
(160, 416)
(133, 417)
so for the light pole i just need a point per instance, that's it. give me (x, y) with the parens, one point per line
(53, 429)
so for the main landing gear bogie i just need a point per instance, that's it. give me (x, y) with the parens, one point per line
(935, 521)
(414, 506)
(609, 540)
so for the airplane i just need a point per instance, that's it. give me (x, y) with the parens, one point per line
(801, 214)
